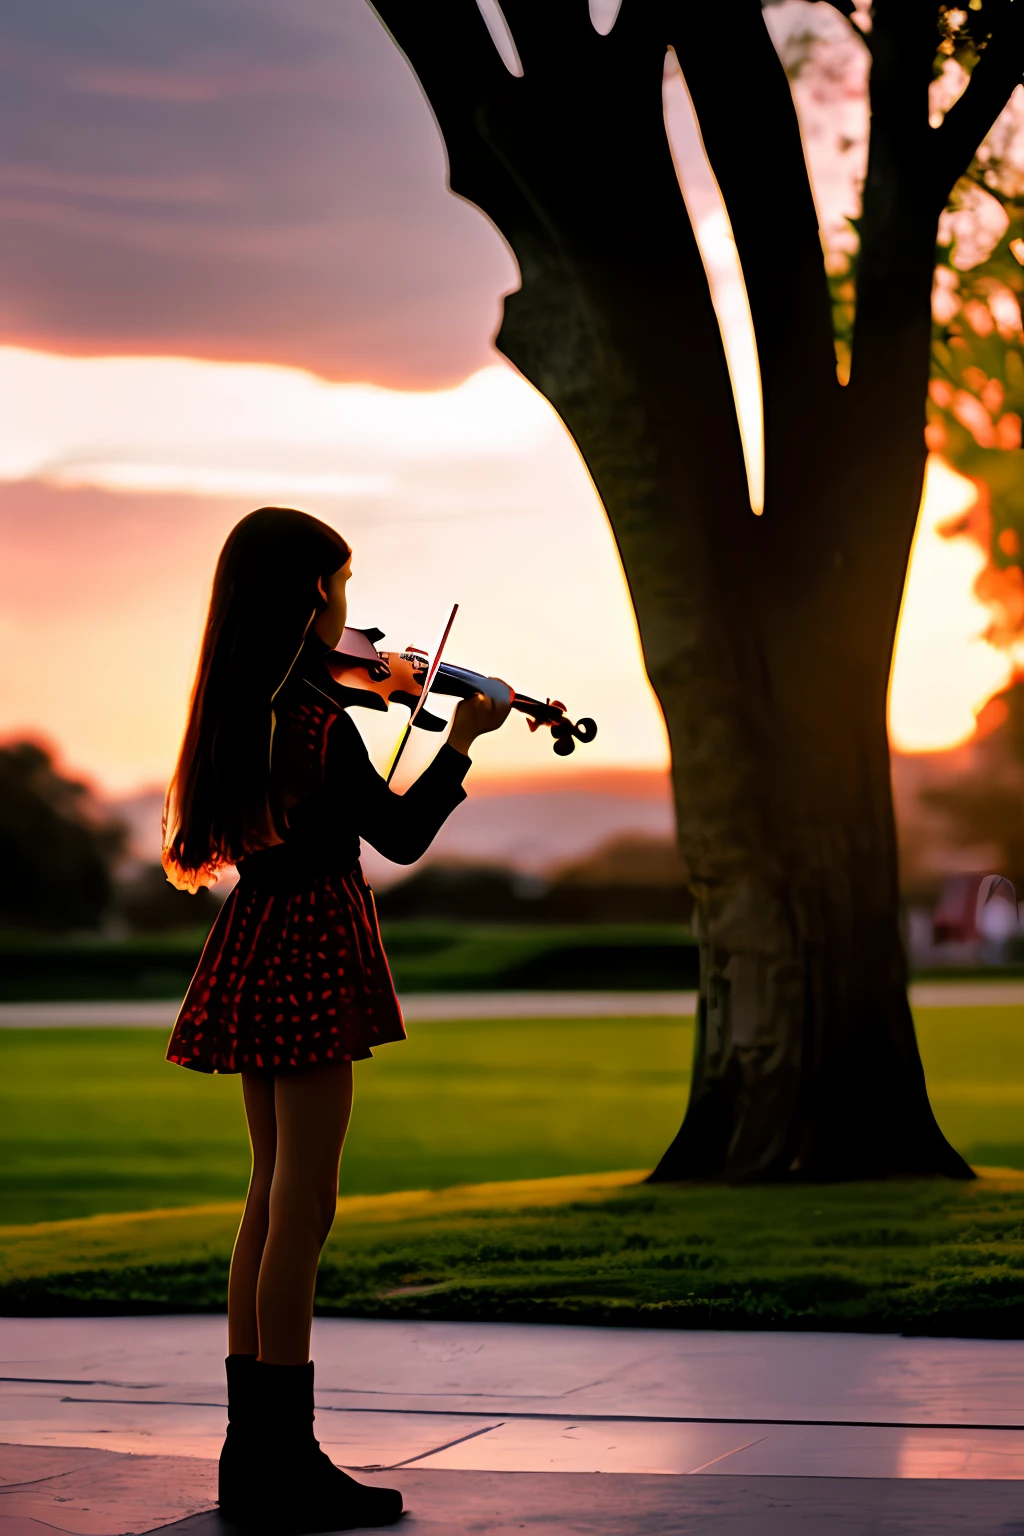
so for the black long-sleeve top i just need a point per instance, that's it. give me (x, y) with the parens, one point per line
(327, 795)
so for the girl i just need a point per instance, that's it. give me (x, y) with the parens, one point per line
(293, 985)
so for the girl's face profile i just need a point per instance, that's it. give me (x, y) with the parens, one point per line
(330, 624)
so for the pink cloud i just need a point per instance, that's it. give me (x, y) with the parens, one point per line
(244, 183)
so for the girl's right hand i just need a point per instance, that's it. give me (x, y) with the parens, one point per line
(475, 717)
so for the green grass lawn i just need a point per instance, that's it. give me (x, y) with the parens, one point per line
(94, 1120)
(974, 1061)
(927, 1256)
(100, 1140)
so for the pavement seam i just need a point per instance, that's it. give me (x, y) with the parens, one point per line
(394, 1466)
(588, 1418)
(726, 1454)
(82, 1381)
(54, 1477)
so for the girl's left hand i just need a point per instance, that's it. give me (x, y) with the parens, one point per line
(475, 717)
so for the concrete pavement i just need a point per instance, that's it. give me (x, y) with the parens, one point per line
(424, 1007)
(418, 1008)
(113, 1426)
(100, 1494)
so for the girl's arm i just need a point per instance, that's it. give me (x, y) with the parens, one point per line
(401, 827)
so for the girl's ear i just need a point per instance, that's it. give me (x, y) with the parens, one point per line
(321, 590)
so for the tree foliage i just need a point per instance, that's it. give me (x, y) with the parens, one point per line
(976, 394)
(56, 849)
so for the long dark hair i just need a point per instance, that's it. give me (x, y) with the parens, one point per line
(266, 594)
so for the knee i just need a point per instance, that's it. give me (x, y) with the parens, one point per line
(325, 1204)
(308, 1207)
(257, 1201)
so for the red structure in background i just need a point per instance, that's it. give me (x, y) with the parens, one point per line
(975, 910)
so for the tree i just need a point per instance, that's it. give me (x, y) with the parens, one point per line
(56, 850)
(767, 639)
(147, 902)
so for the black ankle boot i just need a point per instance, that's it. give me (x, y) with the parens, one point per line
(234, 1472)
(294, 1486)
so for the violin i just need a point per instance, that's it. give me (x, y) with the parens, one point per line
(377, 679)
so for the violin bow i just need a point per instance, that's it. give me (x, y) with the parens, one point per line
(431, 674)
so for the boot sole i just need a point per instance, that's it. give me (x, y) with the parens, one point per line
(297, 1525)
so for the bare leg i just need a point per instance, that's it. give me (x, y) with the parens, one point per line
(243, 1336)
(312, 1111)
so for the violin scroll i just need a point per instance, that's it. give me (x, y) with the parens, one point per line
(552, 713)
(567, 735)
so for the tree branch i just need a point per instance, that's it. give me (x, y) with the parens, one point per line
(892, 326)
(450, 51)
(464, 80)
(997, 72)
(904, 42)
(844, 7)
(747, 117)
(571, 161)
(898, 216)
(545, 34)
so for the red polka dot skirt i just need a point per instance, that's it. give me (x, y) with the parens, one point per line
(289, 981)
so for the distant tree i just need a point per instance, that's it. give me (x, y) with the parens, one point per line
(984, 807)
(148, 903)
(628, 860)
(56, 850)
(768, 640)
(628, 879)
(464, 891)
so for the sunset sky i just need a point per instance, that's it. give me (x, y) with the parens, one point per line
(231, 274)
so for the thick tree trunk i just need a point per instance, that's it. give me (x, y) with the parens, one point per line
(805, 1058)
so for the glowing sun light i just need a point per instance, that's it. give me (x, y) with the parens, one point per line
(944, 670)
